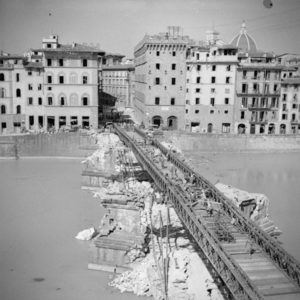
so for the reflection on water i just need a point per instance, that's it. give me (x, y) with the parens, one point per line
(275, 174)
(41, 210)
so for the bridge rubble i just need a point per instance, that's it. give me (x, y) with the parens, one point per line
(141, 239)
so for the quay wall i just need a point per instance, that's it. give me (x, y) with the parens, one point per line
(230, 143)
(71, 144)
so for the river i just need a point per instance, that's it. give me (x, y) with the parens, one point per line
(41, 210)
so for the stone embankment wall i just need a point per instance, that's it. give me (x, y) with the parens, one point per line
(60, 144)
(218, 142)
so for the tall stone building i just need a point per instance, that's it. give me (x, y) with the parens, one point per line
(69, 78)
(160, 76)
(12, 106)
(257, 88)
(210, 86)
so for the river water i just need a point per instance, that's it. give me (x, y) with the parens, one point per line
(276, 175)
(42, 208)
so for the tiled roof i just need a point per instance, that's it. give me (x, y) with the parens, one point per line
(71, 48)
(33, 65)
(118, 67)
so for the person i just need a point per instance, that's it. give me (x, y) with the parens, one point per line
(251, 247)
(209, 287)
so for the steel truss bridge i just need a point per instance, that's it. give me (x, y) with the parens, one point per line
(239, 272)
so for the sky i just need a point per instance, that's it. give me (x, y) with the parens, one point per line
(118, 25)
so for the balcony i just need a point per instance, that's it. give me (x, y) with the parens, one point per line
(295, 122)
(260, 108)
(259, 121)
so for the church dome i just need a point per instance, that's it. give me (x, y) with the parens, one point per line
(244, 41)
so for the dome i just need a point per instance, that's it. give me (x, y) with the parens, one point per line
(244, 41)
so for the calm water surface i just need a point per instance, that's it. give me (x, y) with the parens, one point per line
(275, 174)
(41, 210)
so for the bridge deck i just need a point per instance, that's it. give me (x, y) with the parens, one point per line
(271, 281)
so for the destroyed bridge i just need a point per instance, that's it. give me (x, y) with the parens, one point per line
(267, 273)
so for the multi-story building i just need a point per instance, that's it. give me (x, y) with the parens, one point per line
(257, 88)
(12, 107)
(118, 81)
(210, 87)
(69, 77)
(160, 76)
(289, 110)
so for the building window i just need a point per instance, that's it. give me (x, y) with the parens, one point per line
(174, 53)
(61, 62)
(157, 80)
(30, 101)
(187, 102)
(212, 91)
(48, 45)
(2, 77)
(188, 68)
(214, 67)
(211, 111)
(39, 86)
(18, 93)
(197, 101)
(213, 79)
(3, 109)
(17, 77)
(85, 101)
(157, 53)
(29, 73)
(198, 79)
(244, 102)
(225, 112)
(30, 87)
(284, 116)
(61, 79)
(40, 101)
(50, 101)
(228, 68)
(2, 92)
(31, 120)
(227, 80)
(173, 66)
(49, 62)
(84, 79)
(186, 111)
(157, 100)
(244, 88)
(84, 62)
(62, 101)
(197, 90)
(172, 101)
(173, 80)
(49, 79)
(226, 101)
(198, 67)
(244, 74)
(157, 66)
(212, 101)
(242, 115)
(197, 111)
(225, 127)
(18, 109)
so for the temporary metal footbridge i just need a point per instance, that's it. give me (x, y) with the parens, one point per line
(269, 273)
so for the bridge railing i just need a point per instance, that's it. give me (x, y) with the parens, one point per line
(270, 246)
(233, 276)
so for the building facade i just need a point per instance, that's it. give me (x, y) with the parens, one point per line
(210, 88)
(12, 106)
(70, 85)
(160, 79)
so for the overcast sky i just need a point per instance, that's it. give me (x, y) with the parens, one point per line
(118, 25)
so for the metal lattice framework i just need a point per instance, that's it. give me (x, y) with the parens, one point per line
(270, 246)
(237, 282)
